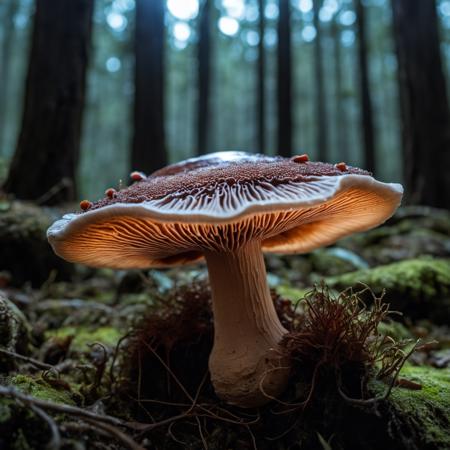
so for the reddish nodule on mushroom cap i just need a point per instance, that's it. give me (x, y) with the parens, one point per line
(137, 176)
(341, 166)
(85, 205)
(300, 158)
(110, 193)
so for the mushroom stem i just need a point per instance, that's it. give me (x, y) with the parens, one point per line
(246, 364)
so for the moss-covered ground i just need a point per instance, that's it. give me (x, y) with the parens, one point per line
(130, 349)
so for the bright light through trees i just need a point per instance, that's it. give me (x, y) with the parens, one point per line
(309, 33)
(181, 31)
(329, 9)
(347, 18)
(444, 8)
(183, 9)
(271, 11)
(228, 26)
(113, 64)
(123, 5)
(234, 8)
(252, 38)
(117, 21)
(305, 5)
(348, 38)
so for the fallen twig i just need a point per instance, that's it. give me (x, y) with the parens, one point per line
(8, 391)
(122, 437)
(34, 362)
(55, 442)
(100, 421)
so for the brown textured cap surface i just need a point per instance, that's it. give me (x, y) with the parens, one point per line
(205, 175)
(220, 201)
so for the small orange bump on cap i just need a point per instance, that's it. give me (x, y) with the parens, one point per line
(137, 176)
(300, 158)
(110, 193)
(341, 166)
(85, 205)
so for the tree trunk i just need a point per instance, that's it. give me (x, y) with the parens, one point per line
(321, 112)
(44, 164)
(340, 113)
(149, 147)
(204, 69)
(284, 79)
(5, 58)
(424, 104)
(261, 97)
(366, 102)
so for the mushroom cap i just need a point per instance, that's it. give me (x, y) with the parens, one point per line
(220, 201)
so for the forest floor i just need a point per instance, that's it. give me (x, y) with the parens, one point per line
(101, 359)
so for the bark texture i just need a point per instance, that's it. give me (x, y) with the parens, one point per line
(260, 93)
(5, 57)
(321, 112)
(44, 165)
(364, 83)
(204, 77)
(284, 80)
(340, 112)
(149, 146)
(424, 103)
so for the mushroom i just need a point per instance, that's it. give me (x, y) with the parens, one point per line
(229, 208)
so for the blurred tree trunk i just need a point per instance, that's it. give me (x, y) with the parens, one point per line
(424, 104)
(149, 147)
(260, 93)
(45, 162)
(340, 113)
(284, 79)
(321, 112)
(204, 78)
(366, 102)
(10, 9)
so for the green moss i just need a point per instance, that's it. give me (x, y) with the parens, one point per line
(39, 388)
(82, 336)
(142, 298)
(428, 408)
(15, 331)
(420, 285)
(23, 428)
(5, 410)
(26, 254)
(395, 330)
(291, 293)
(335, 261)
(20, 428)
(435, 385)
(421, 277)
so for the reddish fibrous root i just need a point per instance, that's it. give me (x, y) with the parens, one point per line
(85, 205)
(110, 193)
(341, 166)
(301, 159)
(137, 176)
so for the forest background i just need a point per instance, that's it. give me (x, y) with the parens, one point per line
(90, 90)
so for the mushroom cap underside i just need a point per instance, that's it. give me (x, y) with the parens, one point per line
(292, 217)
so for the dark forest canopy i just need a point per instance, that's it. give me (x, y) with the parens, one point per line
(337, 79)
